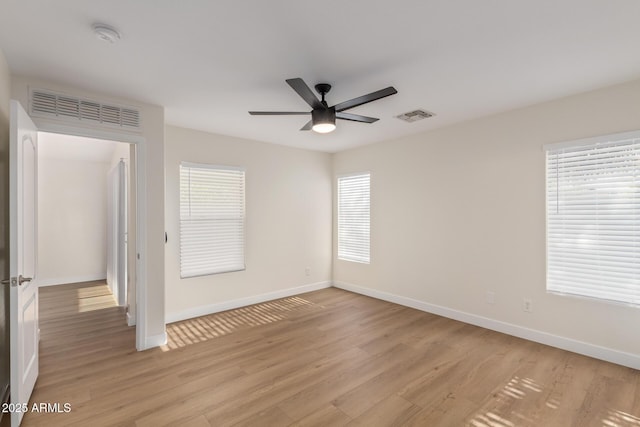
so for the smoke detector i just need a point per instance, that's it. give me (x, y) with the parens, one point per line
(414, 116)
(106, 33)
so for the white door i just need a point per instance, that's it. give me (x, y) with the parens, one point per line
(117, 232)
(23, 311)
(112, 247)
(122, 233)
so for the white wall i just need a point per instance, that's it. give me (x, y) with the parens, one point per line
(72, 220)
(460, 211)
(150, 146)
(288, 223)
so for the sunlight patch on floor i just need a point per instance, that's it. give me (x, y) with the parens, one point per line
(617, 418)
(94, 298)
(499, 412)
(516, 389)
(552, 403)
(200, 329)
(491, 419)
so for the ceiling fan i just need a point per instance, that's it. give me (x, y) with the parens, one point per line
(323, 117)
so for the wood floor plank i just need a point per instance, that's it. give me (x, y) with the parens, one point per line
(272, 416)
(326, 416)
(362, 397)
(391, 411)
(293, 384)
(324, 358)
(454, 411)
(344, 378)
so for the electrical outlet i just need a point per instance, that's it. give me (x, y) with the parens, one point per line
(307, 271)
(527, 305)
(490, 297)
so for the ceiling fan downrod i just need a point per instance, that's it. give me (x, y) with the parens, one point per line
(323, 89)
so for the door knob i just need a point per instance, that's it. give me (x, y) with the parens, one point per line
(21, 279)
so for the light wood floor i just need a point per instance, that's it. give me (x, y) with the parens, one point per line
(325, 358)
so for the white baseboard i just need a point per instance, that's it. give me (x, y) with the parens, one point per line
(73, 279)
(242, 302)
(580, 347)
(131, 321)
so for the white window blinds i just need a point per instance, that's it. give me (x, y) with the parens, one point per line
(593, 218)
(353, 217)
(211, 219)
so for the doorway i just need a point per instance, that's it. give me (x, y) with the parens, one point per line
(23, 318)
(84, 213)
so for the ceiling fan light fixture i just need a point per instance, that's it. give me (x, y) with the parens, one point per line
(324, 127)
(324, 120)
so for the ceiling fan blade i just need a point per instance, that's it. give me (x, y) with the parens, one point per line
(305, 92)
(308, 126)
(356, 118)
(365, 98)
(278, 113)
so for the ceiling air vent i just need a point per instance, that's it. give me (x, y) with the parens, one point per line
(63, 107)
(414, 116)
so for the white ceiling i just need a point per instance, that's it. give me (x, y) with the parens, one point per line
(67, 147)
(208, 62)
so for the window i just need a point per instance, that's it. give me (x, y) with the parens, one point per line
(211, 219)
(353, 217)
(593, 218)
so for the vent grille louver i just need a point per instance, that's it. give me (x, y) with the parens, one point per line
(49, 104)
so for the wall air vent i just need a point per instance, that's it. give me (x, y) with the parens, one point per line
(49, 104)
(414, 116)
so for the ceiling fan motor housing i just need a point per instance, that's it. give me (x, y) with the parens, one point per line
(323, 115)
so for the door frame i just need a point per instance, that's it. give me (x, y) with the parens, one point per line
(140, 202)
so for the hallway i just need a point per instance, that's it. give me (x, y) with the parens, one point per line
(83, 341)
